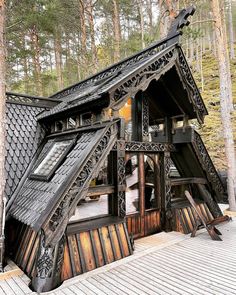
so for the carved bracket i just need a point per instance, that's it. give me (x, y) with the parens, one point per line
(181, 20)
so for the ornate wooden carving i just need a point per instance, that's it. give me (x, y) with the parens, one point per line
(190, 85)
(135, 146)
(181, 20)
(121, 180)
(206, 162)
(145, 119)
(109, 72)
(30, 100)
(141, 79)
(165, 164)
(59, 219)
(48, 265)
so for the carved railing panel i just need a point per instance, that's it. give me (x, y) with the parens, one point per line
(191, 87)
(208, 165)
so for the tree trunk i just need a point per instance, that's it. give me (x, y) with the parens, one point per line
(83, 51)
(116, 27)
(36, 59)
(225, 113)
(230, 97)
(150, 15)
(92, 36)
(140, 10)
(231, 32)
(2, 127)
(57, 51)
(168, 10)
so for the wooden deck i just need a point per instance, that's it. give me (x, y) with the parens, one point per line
(165, 263)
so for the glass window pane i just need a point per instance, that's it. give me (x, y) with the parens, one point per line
(52, 158)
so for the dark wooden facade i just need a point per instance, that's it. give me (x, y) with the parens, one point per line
(85, 128)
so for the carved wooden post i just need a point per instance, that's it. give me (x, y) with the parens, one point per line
(165, 164)
(48, 265)
(121, 181)
(145, 119)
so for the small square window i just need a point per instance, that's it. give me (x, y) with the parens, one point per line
(85, 119)
(52, 160)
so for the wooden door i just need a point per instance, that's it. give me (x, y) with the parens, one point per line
(144, 193)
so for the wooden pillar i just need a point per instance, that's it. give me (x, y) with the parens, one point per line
(166, 215)
(140, 118)
(117, 205)
(145, 118)
(141, 191)
(48, 265)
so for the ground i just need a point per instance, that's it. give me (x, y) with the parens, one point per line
(165, 263)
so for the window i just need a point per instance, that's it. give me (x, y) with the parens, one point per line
(125, 112)
(85, 119)
(132, 182)
(50, 163)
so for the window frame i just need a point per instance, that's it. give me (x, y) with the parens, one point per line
(61, 159)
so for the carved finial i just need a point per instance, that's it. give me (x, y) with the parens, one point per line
(181, 20)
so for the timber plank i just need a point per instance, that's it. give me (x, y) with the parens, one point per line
(153, 284)
(15, 286)
(81, 288)
(95, 254)
(115, 242)
(107, 244)
(106, 284)
(87, 251)
(138, 288)
(180, 270)
(201, 276)
(98, 246)
(66, 266)
(96, 287)
(123, 285)
(203, 266)
(123, 239)
(6, 289)
(174, 283)
(76, 290)
(28, 250)
(30, 264)
(22, 285)
(74, 254)
(80, 249)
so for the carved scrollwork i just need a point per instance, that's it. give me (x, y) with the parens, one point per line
(148, 147)
(191, 87)
(81, 183)
(44, 265)
(121, 186)
(113, 70)
(141, 79)
(206, 162)
(145, 119)
(167, 164)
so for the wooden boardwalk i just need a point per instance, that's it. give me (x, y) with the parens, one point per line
(166, 263)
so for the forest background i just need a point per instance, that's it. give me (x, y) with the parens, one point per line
(52, 44)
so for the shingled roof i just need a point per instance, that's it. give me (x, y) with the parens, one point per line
(23, 135)
(37, 198)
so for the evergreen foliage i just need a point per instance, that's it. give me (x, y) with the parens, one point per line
(53, 44)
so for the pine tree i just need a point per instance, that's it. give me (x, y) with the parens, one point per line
(2, 127)
(224, 102)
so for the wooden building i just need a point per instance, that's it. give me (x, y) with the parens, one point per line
(106, 161)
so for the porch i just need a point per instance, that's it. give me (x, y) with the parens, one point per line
(164, 263)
